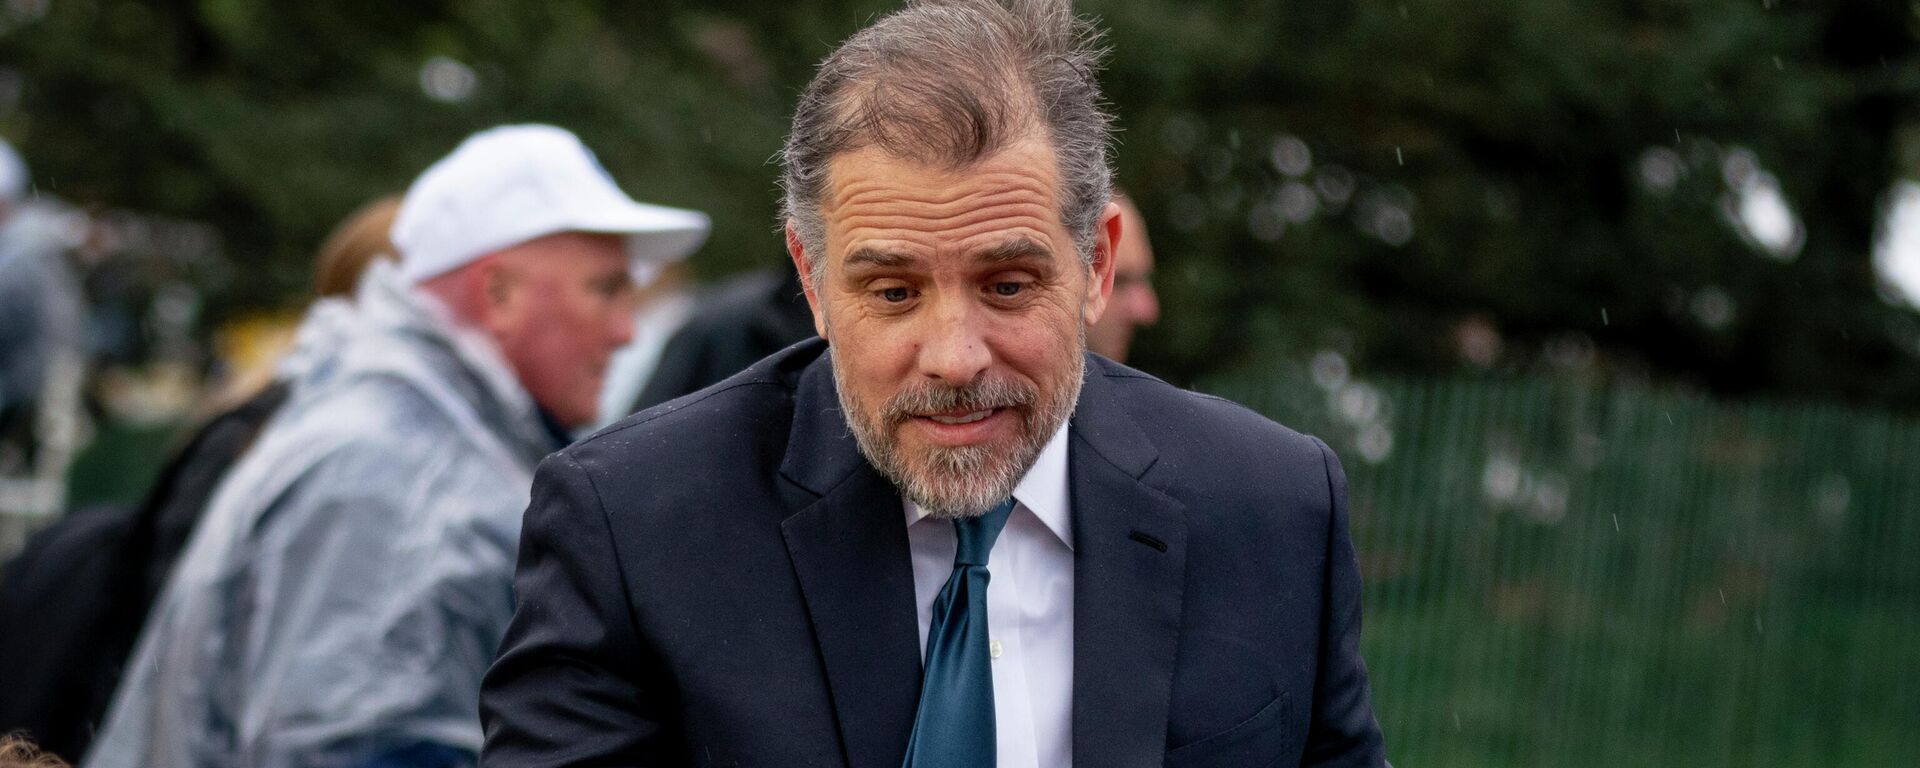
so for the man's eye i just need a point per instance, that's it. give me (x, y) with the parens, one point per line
(895, 295)
(1009, 289)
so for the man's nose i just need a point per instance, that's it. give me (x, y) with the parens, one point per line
(620, 325)
(954, 346)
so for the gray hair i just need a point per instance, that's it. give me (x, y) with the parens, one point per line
(950, 83)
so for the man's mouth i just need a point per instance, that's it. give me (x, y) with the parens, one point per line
(961, 418)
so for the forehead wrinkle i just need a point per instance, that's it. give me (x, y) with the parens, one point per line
(944, 202)
(962, 240)
(966, 222)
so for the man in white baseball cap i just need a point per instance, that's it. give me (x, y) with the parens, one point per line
(527, 207)
(349, 584)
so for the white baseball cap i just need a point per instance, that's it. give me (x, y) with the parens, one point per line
(504, 186)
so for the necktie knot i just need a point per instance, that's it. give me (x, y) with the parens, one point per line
(976, 534)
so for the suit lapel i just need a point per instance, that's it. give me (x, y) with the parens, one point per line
(1129, 574)
(849, 551)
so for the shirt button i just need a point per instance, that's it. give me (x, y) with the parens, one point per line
(993, 649)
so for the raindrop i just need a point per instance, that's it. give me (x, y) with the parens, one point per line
(1358, 403)
(1335, 185)
(1571, 352)
(1713, 307)
(1266, 223)
(1501, 479)
(1297, 202)
(1398, 157)
(444, 79)
(1896, 251)
(1759, 211)
(1549, 502)
(1291, 156)
(1329, 369)
(1477, 341)
(1738, 166)
(1831, 498)
(1660, 169)
(1393, 225)
(1375, 443)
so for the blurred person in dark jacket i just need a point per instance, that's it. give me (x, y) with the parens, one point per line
(88, 579)
(735, 323)
(1133, 305)
(346, 590)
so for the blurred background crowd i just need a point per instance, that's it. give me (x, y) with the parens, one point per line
(1609, 307)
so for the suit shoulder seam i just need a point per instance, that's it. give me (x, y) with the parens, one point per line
(610, 431)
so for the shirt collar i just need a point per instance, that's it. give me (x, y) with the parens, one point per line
(1043, 490)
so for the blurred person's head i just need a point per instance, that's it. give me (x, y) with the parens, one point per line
(13, 180)
(355, 242)
(524, 238)
(1133, 304)
(17, 752)
(947, 186)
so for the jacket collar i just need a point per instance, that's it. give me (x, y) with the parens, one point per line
(849, 550)
(848, 545)
(1129, 567)
(392, 330)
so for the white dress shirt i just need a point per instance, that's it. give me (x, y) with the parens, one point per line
(1029, 610)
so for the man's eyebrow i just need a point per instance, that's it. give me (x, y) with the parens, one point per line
(1016, 249)
(869, 257)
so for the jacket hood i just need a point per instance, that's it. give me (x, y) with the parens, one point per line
(392, 330)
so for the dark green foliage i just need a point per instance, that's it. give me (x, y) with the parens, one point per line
(1491, 153)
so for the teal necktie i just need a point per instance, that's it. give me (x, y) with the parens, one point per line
(954, 725)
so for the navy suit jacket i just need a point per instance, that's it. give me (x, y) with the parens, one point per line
(724, 580)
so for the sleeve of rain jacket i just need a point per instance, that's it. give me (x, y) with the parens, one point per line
(379, 606)
(572, 686)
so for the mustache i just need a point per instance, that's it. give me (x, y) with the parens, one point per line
(979, 395)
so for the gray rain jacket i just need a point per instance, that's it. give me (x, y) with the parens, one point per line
(349, 585)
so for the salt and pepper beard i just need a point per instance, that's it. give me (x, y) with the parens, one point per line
(970, 480)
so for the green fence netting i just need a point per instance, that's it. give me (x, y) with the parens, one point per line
(1566, 574)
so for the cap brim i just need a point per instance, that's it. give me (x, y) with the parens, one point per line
(656, 234)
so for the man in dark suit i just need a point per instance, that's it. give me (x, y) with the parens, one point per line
(945, 535)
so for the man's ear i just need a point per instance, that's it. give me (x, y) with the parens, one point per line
(804, 265)
(495, 293)
(1106, 236)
